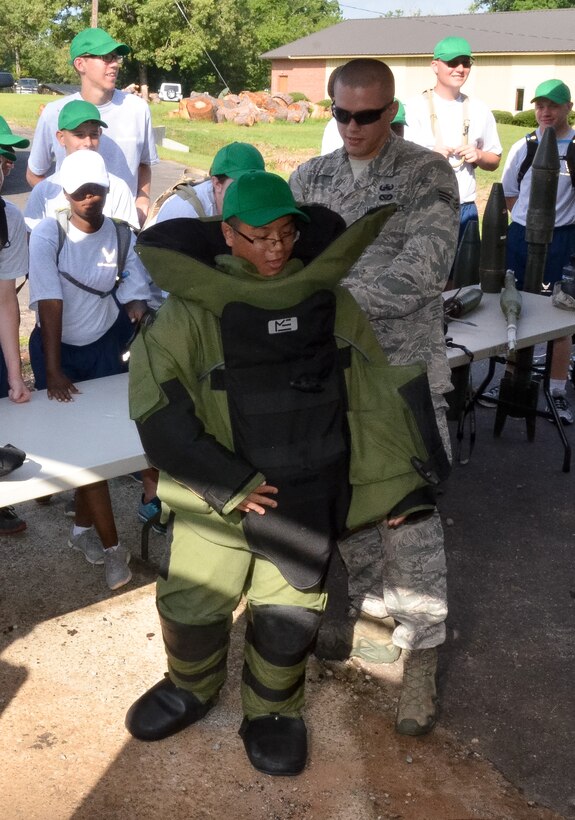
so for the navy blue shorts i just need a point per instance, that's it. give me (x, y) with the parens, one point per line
(80, 363)
(558, 253)
(467, 213)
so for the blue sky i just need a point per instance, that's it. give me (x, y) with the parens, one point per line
(372, 8)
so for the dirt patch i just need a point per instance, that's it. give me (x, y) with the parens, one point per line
(287, 164)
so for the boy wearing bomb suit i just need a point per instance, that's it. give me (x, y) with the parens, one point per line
(264, 398)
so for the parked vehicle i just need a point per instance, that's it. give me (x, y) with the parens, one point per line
(6, 80)
(26, 85)
(171, 92)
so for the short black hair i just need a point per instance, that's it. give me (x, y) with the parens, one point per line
(365, 71)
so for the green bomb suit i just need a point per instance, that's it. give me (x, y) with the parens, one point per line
(219, 408)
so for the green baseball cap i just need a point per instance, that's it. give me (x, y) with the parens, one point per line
(553, 90)
(5, 152)
(8, 139)
(236, 159)
(76, 112)
(258, 198)
(451, 47)
(399, 118)
(97, 42)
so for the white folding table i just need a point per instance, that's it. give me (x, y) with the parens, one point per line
(484, 334)
(70, 444)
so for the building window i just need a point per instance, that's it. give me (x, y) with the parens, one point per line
(519, 95)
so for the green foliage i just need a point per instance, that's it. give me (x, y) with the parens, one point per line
(520, 5)
(325, 103)
(503, 117)
(27, 45)
(274, 23)
(202, 44)
(297, 96)
(525, 119)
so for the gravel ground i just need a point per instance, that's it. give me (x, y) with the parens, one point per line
(73, 656)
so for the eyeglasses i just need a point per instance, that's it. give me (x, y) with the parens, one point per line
(360, 117)
(457, 61)
(264, 243)
(112, 57)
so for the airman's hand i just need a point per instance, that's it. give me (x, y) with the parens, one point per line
(259, 500)
(60, 387)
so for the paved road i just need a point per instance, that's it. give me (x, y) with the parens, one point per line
(16, 189)
(508, 666)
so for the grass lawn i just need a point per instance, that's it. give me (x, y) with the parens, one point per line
(283, 145)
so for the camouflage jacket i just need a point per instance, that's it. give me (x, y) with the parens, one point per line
(398, 280)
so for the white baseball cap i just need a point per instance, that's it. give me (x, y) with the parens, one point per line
(83, 167)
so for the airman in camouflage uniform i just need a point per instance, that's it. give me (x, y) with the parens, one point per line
(398, 281)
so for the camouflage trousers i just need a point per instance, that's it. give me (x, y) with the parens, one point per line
(402, 573)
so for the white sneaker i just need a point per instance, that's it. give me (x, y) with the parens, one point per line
(562, 406)
(489, 398)
(116, 561)
(88, 543)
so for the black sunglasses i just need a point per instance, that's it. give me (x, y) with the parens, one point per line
(464, 61)
(361, 117)
(112, 57)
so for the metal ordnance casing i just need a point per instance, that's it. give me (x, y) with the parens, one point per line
(462, 303)
(510, 301)
(540, 219)
(466, 265)
(493, 241)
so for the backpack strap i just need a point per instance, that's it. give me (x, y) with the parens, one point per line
(4, 240)
(570, 157)
(433, 121)
(184, 189)
(123, 238)
(466, 120)
(432, 115)
(187, 193)
(532, 143)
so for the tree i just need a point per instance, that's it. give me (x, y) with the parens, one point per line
(194, 39)
(277, 22)
(25, 36)
(520, 5)
(212, 44)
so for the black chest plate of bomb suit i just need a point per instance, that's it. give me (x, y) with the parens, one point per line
(287, 405)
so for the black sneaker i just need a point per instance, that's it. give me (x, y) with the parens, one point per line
(10, 523)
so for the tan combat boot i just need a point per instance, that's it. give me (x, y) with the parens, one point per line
(372, 639)
(417, 709)
(358, 636)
